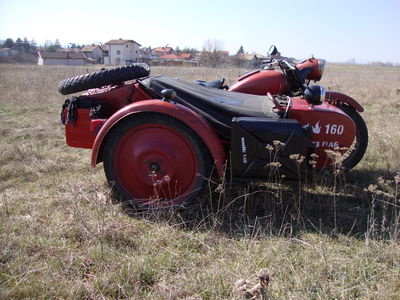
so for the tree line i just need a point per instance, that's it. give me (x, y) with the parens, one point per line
(21, 45)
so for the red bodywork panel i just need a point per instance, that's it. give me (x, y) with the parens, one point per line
(261, 83)
(182, 113)
(82, 133)
(78, 134)
(331, 127)
(118, 97)
(334, 98)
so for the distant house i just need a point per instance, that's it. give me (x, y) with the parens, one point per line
(61, 58)
(76, 50)
(175, 59)
(121, 52)
(160, 51)
(246, 56)
(94, 52)
(183, 56)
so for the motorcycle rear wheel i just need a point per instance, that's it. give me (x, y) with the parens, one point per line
(357, 150)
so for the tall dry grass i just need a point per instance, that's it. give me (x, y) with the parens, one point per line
(62, 236)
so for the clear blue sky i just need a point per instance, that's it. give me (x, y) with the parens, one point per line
(339, 30)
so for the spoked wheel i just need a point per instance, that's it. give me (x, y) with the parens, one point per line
(357, 150)
(155, 161)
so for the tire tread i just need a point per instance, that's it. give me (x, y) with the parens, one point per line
(101, 78)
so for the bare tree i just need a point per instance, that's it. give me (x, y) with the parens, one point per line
(211, 55)
(213, 44)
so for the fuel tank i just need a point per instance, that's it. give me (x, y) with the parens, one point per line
(261, 82)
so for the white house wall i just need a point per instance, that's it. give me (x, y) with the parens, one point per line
(129, 52)
(115, 58)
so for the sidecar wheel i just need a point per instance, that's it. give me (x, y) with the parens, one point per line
(155, 161)
(102, 78)
(357, 150)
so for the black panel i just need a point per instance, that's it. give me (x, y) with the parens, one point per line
(258, 142)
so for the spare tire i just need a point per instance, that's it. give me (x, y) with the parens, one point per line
(102, 78)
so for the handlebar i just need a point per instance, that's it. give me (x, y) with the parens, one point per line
(290, 69)
(288, 65)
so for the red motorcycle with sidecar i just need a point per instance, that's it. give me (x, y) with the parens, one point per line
(160, 139)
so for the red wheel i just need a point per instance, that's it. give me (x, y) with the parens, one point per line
(154, 161)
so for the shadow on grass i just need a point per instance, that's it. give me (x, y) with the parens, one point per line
(344, 204)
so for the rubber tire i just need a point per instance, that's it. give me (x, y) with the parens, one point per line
(204, 161)
(102, 78)
(355, 156)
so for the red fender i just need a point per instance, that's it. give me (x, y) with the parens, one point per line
(182, 113)
(333, 97)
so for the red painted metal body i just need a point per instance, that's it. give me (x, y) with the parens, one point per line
(78, 134)
(118, 97)
(82, 133)
(331, 127)
(182, 113)
(335, 98)
(261, 82)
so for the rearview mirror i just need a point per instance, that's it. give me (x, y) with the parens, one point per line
(272, 50)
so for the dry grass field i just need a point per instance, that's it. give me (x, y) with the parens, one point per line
(62, 236)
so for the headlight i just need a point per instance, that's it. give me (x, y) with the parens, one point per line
(313, 68)
(315, 94)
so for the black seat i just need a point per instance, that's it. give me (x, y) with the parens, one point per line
(217, 106)
(218, 84)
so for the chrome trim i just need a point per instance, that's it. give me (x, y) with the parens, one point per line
(321, 67)
(322, 94)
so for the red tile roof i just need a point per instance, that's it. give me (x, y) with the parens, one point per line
(162, 49)
(89, 48)
(175, 56)
(185, 55)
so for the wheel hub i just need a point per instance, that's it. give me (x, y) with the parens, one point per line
(154, 167)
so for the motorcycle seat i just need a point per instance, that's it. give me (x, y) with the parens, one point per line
(216, 105)
(218, 84)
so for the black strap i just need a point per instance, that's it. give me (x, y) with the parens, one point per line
(71, 105)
